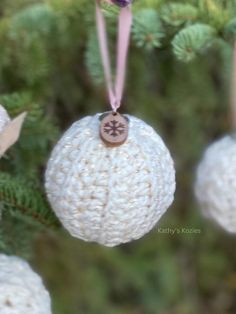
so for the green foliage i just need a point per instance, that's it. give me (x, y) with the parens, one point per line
(217, 12)
(37, 134)
(147, 29)
(93, 58)
(176, 14)
(230, 29)
(24, 71)
(192, 40)
(29, 30)
(35, 20)
(17, 237)
(24, 212)
(23, 199)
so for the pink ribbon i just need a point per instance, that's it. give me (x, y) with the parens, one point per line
(115, 91)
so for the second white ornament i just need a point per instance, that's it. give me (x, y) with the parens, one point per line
(216, 183)
(110, 195)
(21, 289)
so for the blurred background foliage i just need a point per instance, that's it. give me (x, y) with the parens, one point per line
(178, 81)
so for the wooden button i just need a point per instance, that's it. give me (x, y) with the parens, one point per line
(114, 129)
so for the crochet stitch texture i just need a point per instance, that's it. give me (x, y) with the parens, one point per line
(110, 195)
(216, 183)
(21, 289)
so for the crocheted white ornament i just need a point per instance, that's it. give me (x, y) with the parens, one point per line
(4, 118)
(110, 195)
(215, 186)
(21, 289)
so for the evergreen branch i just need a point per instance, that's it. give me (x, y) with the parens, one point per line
(176, 14)
(192, 40)
(147, 29)
(19, 199)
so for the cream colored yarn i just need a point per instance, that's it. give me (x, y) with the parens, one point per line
(21, 289)
(215, 186)
(4, 118)
(110, 195)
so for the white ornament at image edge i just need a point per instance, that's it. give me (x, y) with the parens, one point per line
(110, 195)
(4, 118)
(21, 289)
(215, 185)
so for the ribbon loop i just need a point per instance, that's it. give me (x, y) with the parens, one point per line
(115, 92)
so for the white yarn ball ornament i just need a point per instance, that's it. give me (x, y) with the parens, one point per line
(4, 118)
(110, 195)
(215, 186)
(21, 289)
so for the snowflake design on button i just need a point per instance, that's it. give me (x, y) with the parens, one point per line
(114, 128)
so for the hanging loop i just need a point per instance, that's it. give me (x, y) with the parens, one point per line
(115, 89)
